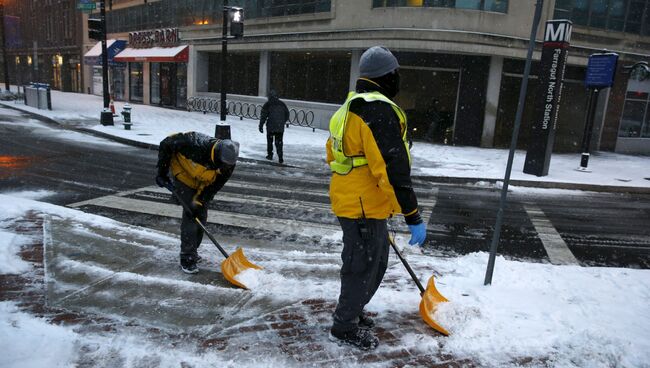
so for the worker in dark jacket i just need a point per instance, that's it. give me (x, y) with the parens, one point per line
(200, 166)
(368, 154)
(274, 114)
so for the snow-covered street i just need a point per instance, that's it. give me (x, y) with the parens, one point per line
(532, 315)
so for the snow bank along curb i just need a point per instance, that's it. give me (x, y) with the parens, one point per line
(435, 179)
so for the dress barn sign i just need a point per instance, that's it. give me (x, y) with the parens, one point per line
(547, 105)
(156, 37)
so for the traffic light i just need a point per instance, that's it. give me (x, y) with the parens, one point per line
(95, 29)
(236, 22)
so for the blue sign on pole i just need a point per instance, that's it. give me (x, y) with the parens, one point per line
(601, 70)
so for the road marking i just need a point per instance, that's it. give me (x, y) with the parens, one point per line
(557, 250)
(118, 201)
(214, 216)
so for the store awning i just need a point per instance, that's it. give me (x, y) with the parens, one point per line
(178, 54)
(94, 55)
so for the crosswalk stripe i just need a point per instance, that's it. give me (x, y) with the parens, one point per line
(214, 216)
(557, 250)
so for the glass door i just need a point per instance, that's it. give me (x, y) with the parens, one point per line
(155, 83)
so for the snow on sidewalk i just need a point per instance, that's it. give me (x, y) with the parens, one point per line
(534, 315)
(306, 148)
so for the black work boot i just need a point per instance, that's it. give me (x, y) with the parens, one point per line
(365, 321)
(269, 156)
(360, 338)
(188, 265)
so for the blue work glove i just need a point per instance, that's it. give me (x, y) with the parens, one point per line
(418, 233)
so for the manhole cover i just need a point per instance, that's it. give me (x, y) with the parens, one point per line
(647, 178)
(144, 134)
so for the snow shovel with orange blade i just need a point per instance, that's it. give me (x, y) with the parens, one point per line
(430, 297)
(235, 263)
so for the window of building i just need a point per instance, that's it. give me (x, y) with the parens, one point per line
(635, 122)
(500, 6)
(243, 73)
(136, 82)
(180, 13)
(631, 16)
(311, 76)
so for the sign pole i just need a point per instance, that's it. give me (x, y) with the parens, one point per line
(589, 127)
(601, 70)
(513, 144)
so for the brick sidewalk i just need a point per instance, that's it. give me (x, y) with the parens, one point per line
(297, 334)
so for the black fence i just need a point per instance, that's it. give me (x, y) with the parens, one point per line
(297, 117)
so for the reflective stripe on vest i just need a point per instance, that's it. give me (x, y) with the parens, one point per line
(343, 164)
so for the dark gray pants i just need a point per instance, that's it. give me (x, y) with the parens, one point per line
(270, 137)
(364, 263)
(191, 232)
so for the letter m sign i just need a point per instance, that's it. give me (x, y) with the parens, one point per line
(558, 31)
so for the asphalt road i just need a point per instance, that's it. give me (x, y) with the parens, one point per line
(289, 206)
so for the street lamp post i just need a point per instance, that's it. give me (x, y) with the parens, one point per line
(233, 16)
(4, 48)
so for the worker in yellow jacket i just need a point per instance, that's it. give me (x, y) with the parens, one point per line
(200, 166)
(368, 153)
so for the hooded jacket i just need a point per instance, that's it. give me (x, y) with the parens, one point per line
(192, 159)
(383, 187)
(275, 114)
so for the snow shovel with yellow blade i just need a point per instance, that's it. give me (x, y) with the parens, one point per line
(430, 297)
(234, 264)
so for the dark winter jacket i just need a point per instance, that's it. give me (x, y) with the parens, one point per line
(191, 158)
(275, 114)
(373, 130)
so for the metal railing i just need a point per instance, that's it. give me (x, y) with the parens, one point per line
(297, 117)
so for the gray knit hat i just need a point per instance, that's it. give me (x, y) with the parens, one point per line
(377, 61)
(228, 151)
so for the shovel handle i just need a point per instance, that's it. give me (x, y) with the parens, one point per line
(187, 209)
(406, 265)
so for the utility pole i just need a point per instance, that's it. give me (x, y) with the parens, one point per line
(4, 46)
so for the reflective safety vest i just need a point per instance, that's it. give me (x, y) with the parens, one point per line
(343, 164)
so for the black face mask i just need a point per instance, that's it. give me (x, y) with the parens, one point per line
(390, 83)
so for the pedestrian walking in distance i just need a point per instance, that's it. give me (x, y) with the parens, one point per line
(368, 153)
(200, 165)
(274, 114)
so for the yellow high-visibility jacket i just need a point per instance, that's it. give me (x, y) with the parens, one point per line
(373, 130)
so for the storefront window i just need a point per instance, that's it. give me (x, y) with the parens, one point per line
(634, 122)
(311, 76)
(181, 85)
(118, 82)
(243, 73)
(136, 82)
(155, 83)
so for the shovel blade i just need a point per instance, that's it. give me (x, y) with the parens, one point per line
(429, 304)
(236, 264)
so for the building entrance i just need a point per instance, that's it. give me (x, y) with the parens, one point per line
(429, 97)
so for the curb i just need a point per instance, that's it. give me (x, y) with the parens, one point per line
(434, 179)
(538, 184)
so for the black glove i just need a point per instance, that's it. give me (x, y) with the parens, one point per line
(195, 208)
(163, 181)
(261, 129)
